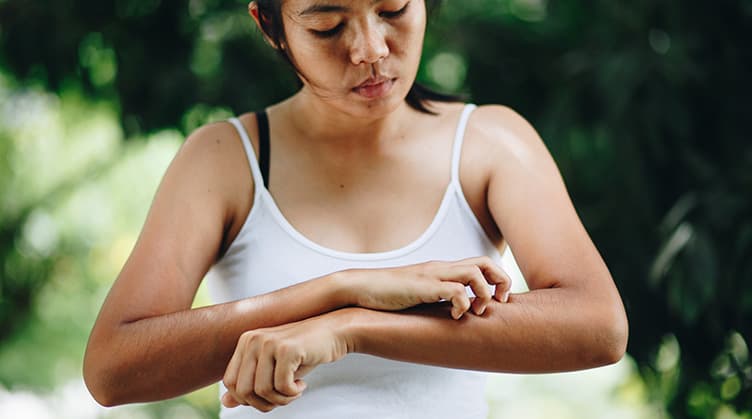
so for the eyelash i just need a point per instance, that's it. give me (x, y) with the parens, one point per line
(386, 15)
(330, 33)
(395, 14)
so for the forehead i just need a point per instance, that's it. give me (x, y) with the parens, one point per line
(303, 8)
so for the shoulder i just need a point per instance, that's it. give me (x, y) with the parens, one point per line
(214, 138)
(503, 135)
(217, 146)
(212, 163)
(502, 127)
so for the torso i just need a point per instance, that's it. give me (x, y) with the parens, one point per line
(398, 204)
(363, 205)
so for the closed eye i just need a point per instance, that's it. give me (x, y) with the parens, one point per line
(395, 14)
(328, 33)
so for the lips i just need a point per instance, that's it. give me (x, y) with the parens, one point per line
(374, 87)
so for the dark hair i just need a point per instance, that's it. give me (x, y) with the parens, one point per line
(270, 17)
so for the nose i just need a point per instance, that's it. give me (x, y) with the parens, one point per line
(369, 45)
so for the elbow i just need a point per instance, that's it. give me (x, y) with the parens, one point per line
(98, 377)
(101, 396)
(95, 383)
(97, 390)
(610, 338)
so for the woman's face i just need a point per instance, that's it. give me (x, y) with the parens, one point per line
(359, 56)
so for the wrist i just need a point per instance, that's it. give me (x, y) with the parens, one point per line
(348, 326)
(342, 289)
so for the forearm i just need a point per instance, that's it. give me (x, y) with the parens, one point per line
(164, 356)
(541, 331)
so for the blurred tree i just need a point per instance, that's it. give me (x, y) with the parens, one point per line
(164, 62)
(644, 105)
(21, 274)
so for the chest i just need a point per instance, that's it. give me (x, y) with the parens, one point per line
(365, 205)
(370, 205)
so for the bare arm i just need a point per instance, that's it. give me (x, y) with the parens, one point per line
(164, 356)
(571, 319)
(546, 330)
(147, 342)
(534, 332)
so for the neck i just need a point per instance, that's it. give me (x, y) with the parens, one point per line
(316, 121)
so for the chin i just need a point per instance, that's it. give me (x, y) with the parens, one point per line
(374, 108)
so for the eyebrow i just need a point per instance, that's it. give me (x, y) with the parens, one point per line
(328, 8)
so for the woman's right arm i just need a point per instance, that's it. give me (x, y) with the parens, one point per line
(147, 343)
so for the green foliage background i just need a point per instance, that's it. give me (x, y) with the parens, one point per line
(644, 105)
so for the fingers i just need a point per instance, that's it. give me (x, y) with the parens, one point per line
(285, 382)
(479, 286)
(470, 275)
(254, 378)
(230, 378)
(243, 389)
(477, 273)
(455, 293)
(239, 380)
(494, 275)
(263, 385)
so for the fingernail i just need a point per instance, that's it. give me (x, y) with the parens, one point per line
(505, 297)
(482, 310)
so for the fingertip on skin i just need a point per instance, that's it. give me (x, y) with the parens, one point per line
(479, 309)
(502, 297)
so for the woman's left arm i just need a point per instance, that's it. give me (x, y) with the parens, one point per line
(572, 317)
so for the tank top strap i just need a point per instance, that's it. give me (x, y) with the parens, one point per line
(459, 138)
(258, 180)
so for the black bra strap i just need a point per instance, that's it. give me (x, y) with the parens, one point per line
(263, 132)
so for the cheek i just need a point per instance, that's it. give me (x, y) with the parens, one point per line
(408, 36)
(311, 57)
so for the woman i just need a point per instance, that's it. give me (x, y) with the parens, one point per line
(340, 261)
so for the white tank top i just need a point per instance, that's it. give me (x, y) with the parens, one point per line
(357, 386)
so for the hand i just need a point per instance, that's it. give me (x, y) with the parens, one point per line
(266, 368)
(403, 287)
